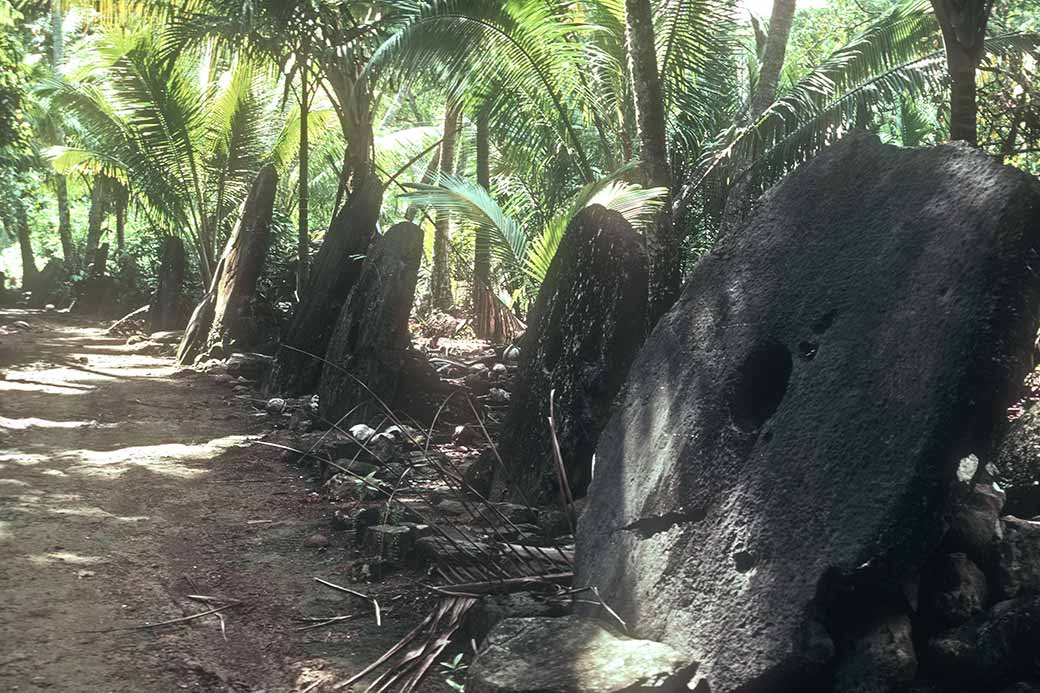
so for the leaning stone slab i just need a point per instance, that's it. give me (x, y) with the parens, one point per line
(572, 654)
(794, 422)
(585, 330)
(370, 356)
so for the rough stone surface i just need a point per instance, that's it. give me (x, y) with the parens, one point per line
(996, 647)
(495, 608)
(222, 318)
(1018, 462)
(1017, 569)
(974, 520)
(879, 658)
(335, 270)
(370, 352)
(583, 333)
(799, 414)
(572, 655)
(957, 589)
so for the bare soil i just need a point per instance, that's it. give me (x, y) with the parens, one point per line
(123, 490)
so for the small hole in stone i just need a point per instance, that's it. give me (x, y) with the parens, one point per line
(767, 436)
(825, 322)
(761, 384)
(744, 561)
(808, 349)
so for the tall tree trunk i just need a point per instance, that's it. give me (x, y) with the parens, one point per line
(483, 302)
(662, 243)
(742, 194)
(121, 225)
(440, 277)
(221, 318)
(95, 218)
(303, 237)
(963, 24)
(29, 270)
(61, 188)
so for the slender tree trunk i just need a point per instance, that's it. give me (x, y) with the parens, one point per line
(483, 306)
(440, 277)
(29, 270)
(61, 188)
(662, 243)
(303, 238)
(780, 21)
(95, 218)
(121, 226)
(742, 194)
(964, 31)
(963, 26)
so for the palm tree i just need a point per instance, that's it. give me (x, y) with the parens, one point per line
(661, 242)
(186, 141)
(963, 25)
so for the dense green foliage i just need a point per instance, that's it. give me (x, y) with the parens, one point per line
(178, 104)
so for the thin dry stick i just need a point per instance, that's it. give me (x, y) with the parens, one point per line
(171, 622)
(375, 603)
(567, 498)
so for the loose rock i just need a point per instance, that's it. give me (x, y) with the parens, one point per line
(572, 655)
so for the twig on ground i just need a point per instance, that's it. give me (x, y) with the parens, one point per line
(375, 603)
(171, 622)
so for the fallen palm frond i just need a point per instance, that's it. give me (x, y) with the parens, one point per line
(472, 569)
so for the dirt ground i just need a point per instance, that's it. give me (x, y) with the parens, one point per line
(122, 491)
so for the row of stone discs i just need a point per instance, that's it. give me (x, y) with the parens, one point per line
(788, 438)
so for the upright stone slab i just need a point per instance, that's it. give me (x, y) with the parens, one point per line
(370, 350)
(336, 269)
(584, 331)
(792, 425)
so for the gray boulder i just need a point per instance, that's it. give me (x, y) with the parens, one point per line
(795, 421)
(879, 658)
(1017, 571)
(996, 647)
(572, 654)
(1018, 461)
(957, 590)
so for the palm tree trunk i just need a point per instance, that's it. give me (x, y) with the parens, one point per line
(68, 249)
(440, 278)
(121, 224)
(741, 196)
(780, 21)
(662, 243)
(29, 271)
(96, 216)
(964, 34)
(303, 235)
(483, 307)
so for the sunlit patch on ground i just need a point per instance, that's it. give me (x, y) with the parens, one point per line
(64, 557)
(33, 422)
(162, 459)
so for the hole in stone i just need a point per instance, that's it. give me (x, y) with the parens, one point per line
(808, 349)
(760, 386)
(744, 561)
(767, 436)
(825, 322)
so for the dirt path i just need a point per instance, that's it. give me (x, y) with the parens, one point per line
(122, 491)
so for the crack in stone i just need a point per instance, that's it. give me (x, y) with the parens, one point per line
(647, 527)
